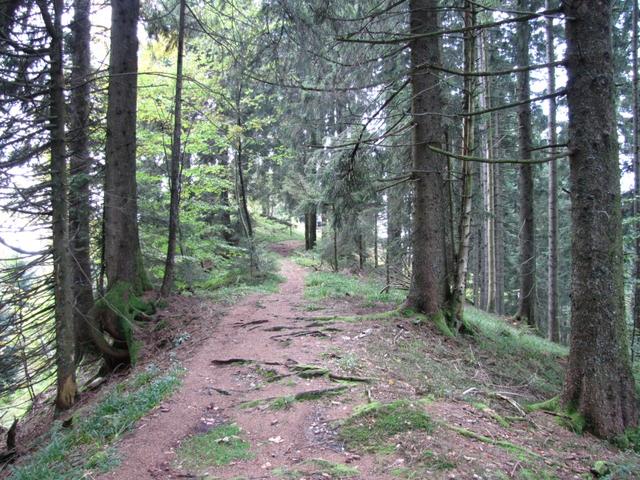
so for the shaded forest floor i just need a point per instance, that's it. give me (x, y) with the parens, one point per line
(290, 385)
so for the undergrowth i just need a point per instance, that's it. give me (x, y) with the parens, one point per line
(219, 446)
(70, 452)
(324, 285)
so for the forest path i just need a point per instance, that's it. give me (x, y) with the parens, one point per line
(249, 372)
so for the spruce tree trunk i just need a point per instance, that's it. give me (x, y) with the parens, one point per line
(552, 271)
(499, 239)
(394, 226)
(123, 256)
(429, 291)
(313, 226)
(122, 253)
(527, 295)
(176, 165)
(66, 391)
(80, 161)
(636, 171)
(464, 230)
(599, 383)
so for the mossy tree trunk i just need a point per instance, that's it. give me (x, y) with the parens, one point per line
(123, 256)
(599, 383)
(429, 291)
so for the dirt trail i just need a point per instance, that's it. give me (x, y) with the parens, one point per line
(274, 333)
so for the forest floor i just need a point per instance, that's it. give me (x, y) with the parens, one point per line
(279, 387)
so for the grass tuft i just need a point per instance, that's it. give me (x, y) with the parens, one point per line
(70, 453)
(323, 285)
(219, 446)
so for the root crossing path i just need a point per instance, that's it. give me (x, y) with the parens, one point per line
(255, 371)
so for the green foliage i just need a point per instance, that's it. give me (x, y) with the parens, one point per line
(373, 423)
(307, 258)
(219, 446)
(323, 285)
(90, 436)
(268, 231)
(629, 440)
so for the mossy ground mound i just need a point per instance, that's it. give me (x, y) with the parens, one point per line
(373, 424)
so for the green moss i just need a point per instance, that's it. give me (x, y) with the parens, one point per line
(504, 444)
(629, 440)
(282, 403)
(142, 282)
(440, 321)
(317, 468)
(121, 300)
(567, 416)
(249, 404)
(371, 424)
(309, 371)
(220, 446)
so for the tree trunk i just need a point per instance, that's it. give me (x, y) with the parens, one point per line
(65, 340)
(80, 161)
(488, 182)
(310, 227)
(429, 291)
(307, 231)
(394, 226)
(313, 226)
(552, 271)
(464, 232)
(123, 257)
(636, 171)
(599, 383)
(527, 295)
(122, 244)
(375, 240)
(176, 165)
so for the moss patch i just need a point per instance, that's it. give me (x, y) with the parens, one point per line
(219, 446)
(567, 416)
(373, 423)
(318, 468)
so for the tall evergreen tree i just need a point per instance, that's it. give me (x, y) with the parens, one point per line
(599, 383)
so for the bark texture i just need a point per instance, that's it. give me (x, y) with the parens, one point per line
(527, 296)
(123, 257)
(552, 237)
(80, 163)
(599, 383)
(429, 291)
(65, 341)
(636, 171)
(176, 165)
